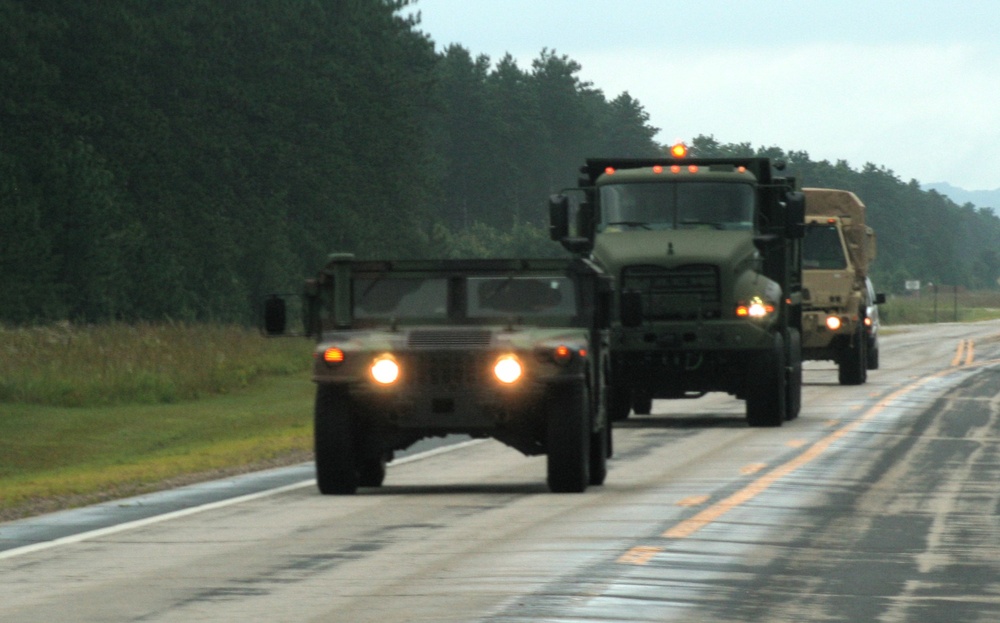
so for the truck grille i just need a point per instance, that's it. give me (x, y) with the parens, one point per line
(449, 339)
(684, 293)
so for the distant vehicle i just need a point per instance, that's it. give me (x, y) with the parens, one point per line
(872, 301)
(515, 350)
(837, 253)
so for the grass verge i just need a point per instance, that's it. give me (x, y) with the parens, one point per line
(95, 413)
(58, 457)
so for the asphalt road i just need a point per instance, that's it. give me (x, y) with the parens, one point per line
(880, 503)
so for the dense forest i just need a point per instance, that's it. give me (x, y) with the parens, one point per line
(178, 159)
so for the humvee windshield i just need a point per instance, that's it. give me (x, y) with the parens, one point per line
(485, 297)
(685, 205)
(523, 296)
(822, 249)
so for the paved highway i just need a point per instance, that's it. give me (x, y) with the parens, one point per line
(880, 503)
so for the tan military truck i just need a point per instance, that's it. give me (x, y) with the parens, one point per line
(837, 252)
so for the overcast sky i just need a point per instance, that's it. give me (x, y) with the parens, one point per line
(911, 85)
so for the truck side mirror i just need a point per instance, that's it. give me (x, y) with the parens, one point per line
(558, 217)
(795, 215)
(585, 222)
(879, 298)
(275, 315)
(631, 308)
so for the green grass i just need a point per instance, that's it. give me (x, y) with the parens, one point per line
(101, 412)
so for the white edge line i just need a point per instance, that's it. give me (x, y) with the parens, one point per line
(184, 512)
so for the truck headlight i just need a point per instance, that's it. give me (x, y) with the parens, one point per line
(833, 323)
(385, 370)
(755, 308)
(508, 369)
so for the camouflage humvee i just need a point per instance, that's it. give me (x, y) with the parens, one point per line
(515, 350)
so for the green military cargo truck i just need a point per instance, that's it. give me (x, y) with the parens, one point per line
(706, 260)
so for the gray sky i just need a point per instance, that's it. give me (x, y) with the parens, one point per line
(911, 85)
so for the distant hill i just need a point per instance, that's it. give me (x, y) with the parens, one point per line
(978, 198)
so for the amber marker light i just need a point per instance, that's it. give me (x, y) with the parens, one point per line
(657, 168)
(333, 355)
(385, 370)
(679, 150)
(609, 170)
(508, 369)
(562, 354)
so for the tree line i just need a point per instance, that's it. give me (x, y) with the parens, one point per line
(921, 235)
(180, 159)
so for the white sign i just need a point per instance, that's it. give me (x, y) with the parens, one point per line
(912, 284)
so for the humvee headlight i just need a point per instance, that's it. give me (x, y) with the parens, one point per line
(385, 370)
(833, 323)
(508, 369)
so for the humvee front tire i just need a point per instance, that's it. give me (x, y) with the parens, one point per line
(568, 439)
(766, 393)
(334, 442)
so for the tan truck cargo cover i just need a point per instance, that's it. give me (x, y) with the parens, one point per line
(849, 208)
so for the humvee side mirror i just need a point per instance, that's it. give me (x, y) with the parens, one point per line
(631, 308)
(558, 217)
(879, 298)
(275, 315)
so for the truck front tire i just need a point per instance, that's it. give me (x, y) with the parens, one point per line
(793, 398)
(766, 392)
(852, 369)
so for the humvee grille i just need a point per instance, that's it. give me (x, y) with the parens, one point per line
(683, 293)
(448, 370)
(449, 339)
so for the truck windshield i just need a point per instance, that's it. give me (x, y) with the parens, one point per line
(822, 248)
(672, 205)
(491, 297)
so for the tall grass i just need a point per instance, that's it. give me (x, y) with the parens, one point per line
(945, 305)
(96, 412)
(82, 366)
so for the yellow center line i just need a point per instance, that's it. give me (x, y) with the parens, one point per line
(641, 555)
(971, 355)
(958, 353)
(694, 500)
(712, 513)
(752, 468)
